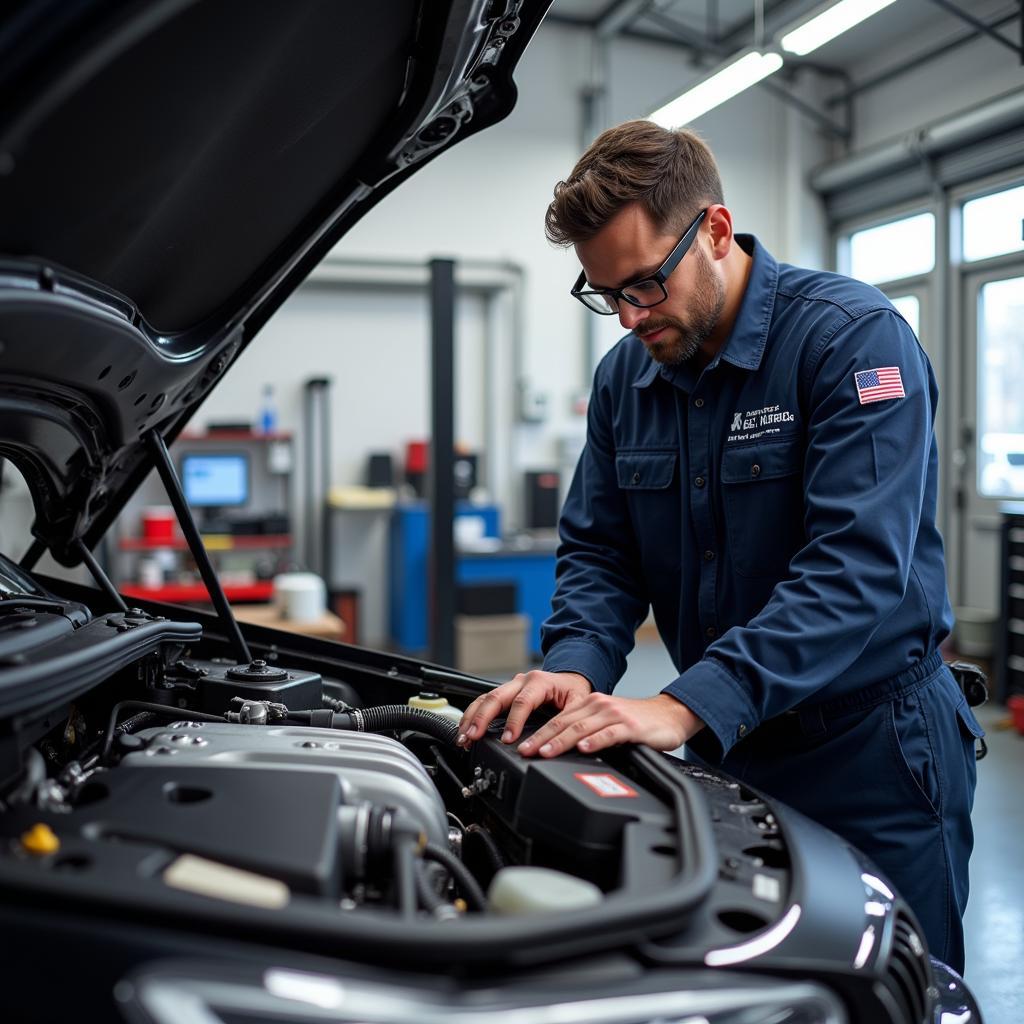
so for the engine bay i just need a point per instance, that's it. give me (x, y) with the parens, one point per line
(273, 789)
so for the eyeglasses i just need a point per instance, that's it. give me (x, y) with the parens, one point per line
(646, 292)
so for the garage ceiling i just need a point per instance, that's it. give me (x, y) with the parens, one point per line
(713, 29)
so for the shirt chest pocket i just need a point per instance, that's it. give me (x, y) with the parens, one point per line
(645, 471)
(649, 483)
(762, 497)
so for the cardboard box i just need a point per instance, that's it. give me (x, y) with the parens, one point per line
(491, 643)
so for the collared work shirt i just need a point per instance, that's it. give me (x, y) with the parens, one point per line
(776, 513)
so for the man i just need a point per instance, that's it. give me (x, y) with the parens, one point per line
(761, 469)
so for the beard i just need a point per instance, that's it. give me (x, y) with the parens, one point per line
(686, 336)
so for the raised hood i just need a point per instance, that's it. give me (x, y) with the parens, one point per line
(170, 172)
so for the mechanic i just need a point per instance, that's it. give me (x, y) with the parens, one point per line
(761, 470)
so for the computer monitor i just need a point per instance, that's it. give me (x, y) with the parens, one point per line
(215, 480)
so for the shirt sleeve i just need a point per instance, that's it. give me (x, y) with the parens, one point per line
(865, 477)
(599, 598)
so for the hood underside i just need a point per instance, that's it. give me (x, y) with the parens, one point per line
(170, 172)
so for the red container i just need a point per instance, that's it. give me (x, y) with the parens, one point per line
(416, 457)
(158, 524)
(1016, 706)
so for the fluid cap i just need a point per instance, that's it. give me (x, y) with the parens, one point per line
(40, 839)
(532, 890)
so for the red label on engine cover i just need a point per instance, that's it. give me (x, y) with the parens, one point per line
(605, 784)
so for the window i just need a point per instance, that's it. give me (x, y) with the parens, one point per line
(909, 307)
(1000, 386)
(890, 252)
(994, 224)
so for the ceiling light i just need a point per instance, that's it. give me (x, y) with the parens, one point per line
(829, 23)
(722, 84)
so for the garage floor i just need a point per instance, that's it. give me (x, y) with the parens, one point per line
(995, 915)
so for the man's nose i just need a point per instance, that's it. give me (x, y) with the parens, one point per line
(630, 316)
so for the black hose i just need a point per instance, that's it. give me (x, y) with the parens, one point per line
(162, 709)
(401, 716)
(91, 756)
(429, 897)
(135, 723)
(464, 879)
(335, 705)
(488, 842)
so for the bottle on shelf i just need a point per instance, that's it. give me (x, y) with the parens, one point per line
(268, 411)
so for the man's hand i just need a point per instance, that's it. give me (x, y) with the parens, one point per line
(600, 721)
(520, 697)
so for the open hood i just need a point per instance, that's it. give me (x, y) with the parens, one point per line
(169, 173)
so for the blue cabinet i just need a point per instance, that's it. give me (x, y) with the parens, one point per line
(532, 569)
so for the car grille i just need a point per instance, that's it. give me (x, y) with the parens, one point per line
(908, 975)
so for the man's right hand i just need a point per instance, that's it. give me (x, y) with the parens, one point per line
(520, 697)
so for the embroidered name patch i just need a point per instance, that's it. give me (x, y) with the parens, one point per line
(878, 385)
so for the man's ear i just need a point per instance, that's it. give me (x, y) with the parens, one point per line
(719, 225)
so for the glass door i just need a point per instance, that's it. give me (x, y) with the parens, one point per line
(993, 422)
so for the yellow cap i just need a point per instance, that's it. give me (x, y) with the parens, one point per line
(40, 839)
(428, 703)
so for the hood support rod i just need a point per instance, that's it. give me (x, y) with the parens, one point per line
(34, 553)
(100, 576)
(169, 476)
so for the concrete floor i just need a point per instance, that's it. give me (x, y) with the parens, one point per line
(995, 915)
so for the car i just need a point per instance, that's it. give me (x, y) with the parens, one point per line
(203, 821)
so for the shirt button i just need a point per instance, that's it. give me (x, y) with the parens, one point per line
(742, 730)
(709, 556)
(636, 478)
(699, 402)
(699, 482)
(755, 470)
(711, 632)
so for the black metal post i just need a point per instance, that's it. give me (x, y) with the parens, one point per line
(317, 475)
(172, 485)
(326, 523)
(100, 576)
(441, 563)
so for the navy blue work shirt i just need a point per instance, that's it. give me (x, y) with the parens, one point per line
(776, 509)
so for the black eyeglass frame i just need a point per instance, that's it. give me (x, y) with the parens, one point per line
(659, 277)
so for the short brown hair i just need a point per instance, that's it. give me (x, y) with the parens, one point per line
(671, 173)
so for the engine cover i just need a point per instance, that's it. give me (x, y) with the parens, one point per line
(369, 768)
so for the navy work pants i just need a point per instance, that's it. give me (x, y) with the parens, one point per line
(891, 769)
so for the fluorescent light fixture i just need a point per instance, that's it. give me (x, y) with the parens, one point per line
(722, 84)
(829, 23)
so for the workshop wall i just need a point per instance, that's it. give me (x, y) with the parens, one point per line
(485, 200)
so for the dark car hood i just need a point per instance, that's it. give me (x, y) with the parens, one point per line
(170, 172)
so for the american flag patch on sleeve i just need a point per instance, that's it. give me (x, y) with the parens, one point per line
(878, 385)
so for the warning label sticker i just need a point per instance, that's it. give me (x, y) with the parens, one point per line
(605, 784)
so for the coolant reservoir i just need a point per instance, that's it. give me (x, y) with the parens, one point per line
(529, 890)
(439, 705)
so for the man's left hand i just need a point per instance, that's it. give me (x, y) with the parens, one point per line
(601, 720)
